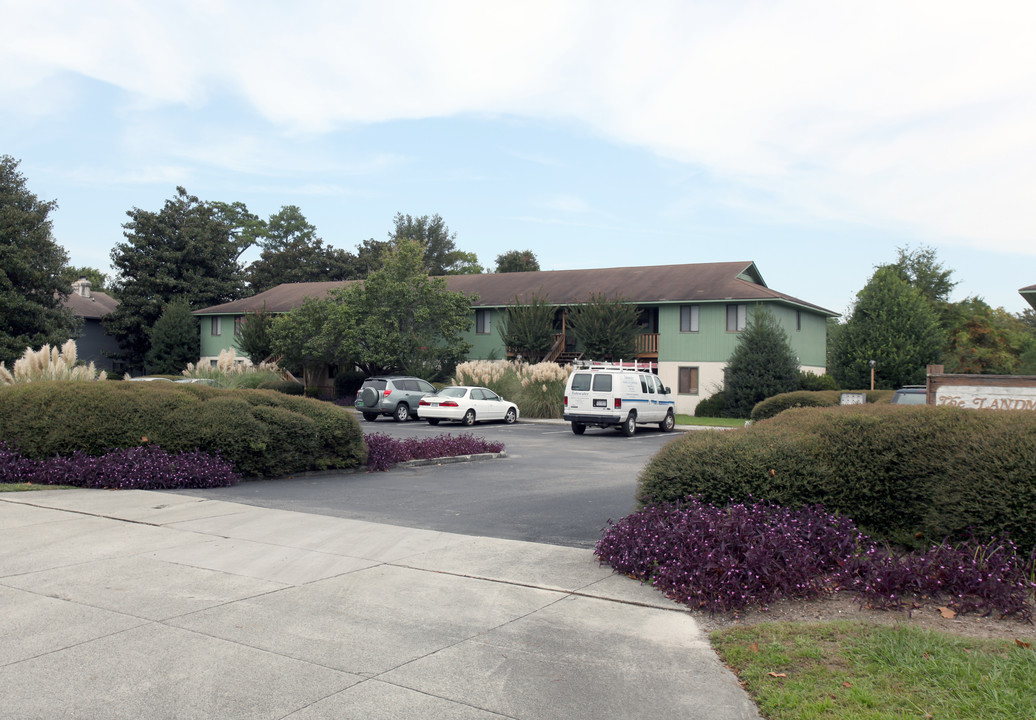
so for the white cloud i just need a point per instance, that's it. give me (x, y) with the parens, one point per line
(915, 115)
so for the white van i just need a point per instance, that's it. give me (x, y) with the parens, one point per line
(607, 395)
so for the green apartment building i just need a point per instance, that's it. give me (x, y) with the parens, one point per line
(690, 316)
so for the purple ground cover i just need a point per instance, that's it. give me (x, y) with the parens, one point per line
(384, 451)
(724, 559)
(147, 467)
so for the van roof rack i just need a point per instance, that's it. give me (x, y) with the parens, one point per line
(639, 366)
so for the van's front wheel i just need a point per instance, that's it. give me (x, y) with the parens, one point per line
(668, 424)
(629, 427)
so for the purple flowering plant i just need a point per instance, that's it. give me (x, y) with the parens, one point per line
(725, 559)
(384, 451)
(146, 467)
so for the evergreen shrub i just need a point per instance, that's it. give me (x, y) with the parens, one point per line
(906, 475)
(824, 398)
(711, 406)
(287, 387)
(261, 432)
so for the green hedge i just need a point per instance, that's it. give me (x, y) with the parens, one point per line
(262, 432)
(805, 398)
(905, 474)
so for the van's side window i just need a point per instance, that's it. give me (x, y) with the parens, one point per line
(581, 382)
(602, 383)
(645, 385)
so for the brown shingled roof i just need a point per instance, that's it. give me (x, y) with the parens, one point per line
(700, 282)
(94, 307)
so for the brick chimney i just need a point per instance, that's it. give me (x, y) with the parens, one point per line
(81, 287)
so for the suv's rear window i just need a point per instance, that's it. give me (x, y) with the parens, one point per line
(377, 384)
(602, 383)
(581, 382)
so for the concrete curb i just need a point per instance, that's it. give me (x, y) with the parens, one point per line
(451, 459)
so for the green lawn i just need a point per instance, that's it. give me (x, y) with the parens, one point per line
(22, 487)
(853, 671)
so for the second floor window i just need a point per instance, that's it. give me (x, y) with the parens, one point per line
(688, 318)
(483, 321)
(217, 326)
(737, 317)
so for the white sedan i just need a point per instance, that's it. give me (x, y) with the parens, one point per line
(466, 405)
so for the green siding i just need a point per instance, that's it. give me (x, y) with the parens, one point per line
(212, 344)
(486, 345)
(712, 342)
(810, 341)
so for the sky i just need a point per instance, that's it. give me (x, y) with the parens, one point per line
(813, 138)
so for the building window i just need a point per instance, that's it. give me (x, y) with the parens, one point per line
(483, 321)
(239, 322)
(688, 318)
(217, 326)
(798, 320)
(737, 317)
(688, 381)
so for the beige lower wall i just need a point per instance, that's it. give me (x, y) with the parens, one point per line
(710, 380)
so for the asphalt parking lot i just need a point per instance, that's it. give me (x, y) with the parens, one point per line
(553, 486)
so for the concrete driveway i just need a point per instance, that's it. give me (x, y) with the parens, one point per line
(135, 604)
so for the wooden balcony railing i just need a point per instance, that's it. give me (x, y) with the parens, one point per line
(647, 345)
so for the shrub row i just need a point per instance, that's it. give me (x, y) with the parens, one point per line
(261, 432)
(822, 398)
(728, 558)
(385, 451)
(147, 467)
(906, 475)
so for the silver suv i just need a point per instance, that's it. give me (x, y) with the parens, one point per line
(393, 395)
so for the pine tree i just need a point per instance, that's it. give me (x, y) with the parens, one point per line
(762, 365)
(175, 340)
(892, 324)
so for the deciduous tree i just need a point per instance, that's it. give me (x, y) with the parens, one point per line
(398, 316)
(298, 339)
(98, 280)
(187, 249)
(441, 256)
(32, 268)
(292, 252)
(517, 261)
